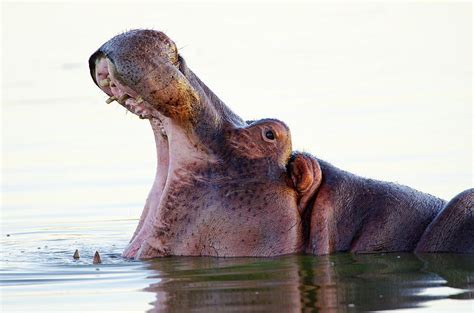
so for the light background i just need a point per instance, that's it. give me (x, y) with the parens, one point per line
(381, 89)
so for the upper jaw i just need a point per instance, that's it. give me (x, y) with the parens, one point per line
(143, 67)
(110, 83)
(147, 62)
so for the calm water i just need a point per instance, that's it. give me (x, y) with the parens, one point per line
(39, 274)
(76, 172)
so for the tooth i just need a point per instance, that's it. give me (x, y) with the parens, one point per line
(104, 82)
(111, 99)
(123, 98)
(139, 99)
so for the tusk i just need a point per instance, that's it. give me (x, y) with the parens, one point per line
(123, 98)
(104, 82)
(111, 99)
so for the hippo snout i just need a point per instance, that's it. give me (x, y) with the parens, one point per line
(141, 70)
(132, 51)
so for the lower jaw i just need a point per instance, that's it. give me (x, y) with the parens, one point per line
(151, 210)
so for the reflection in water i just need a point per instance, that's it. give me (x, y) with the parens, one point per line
(336, 283)
(212, 285)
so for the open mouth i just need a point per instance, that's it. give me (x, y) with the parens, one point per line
(119, 92)
(142, 71)
(133, 102)
(110, 74)
(203, 187)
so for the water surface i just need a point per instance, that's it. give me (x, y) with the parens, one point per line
(39, 274)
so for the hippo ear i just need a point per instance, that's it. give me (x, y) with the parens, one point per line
(306, 175)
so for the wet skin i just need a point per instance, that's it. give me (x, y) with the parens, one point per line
(227, 187)
(345, 212)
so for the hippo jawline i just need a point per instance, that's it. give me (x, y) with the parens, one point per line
(176, 149)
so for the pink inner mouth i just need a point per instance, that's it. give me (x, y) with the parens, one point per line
(176, 149)
(129, 99)
(121, 93)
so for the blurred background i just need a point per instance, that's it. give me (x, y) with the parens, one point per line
(383, 90)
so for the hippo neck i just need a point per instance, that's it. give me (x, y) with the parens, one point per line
(223, 110)
(347, 206)
(221, 114)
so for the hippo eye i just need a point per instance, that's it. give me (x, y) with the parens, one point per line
(270, 135)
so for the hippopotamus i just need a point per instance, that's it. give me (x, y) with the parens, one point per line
(227, 187)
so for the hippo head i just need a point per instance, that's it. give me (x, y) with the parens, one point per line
(221, 186)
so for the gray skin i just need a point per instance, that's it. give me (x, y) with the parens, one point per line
(345, 212)
(227, 187)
